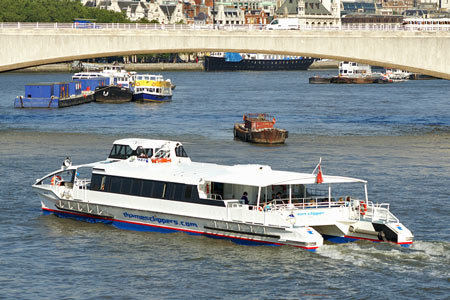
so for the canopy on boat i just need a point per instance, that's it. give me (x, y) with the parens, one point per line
(260, 175)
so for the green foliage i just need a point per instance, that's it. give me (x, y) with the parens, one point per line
(63, 11)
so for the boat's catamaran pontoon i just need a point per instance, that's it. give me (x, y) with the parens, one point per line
(153, 185)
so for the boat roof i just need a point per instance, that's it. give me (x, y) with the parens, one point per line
(144, 143)
(150, 76)
(195, 172)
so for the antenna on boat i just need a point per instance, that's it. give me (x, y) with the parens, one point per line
(318, 165)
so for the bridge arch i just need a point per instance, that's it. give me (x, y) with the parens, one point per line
(416, 51)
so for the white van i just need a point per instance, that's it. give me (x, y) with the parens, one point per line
(283, 23)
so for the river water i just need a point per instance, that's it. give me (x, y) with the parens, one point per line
(395, 136)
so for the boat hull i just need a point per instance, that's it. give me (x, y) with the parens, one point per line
(348, 80)
(213, 64)
(113, 94)
(153, 221)
(151, 97)
(319, 80)
(262, 136)
(22, 102)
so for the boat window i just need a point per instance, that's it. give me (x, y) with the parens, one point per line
(159, 189)
(179, 191)
(170, 191)
(136, 187)
(179, 151)
(147, 188)
(115, 185)
(126, 186)
(121, 152)
(188, 192)
(96, 182)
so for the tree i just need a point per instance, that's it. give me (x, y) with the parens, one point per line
(63, 11)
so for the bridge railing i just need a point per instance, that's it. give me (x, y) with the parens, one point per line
(250, 27)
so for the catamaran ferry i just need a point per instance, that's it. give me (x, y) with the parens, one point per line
(152, 185)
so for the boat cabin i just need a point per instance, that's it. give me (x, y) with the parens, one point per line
(353, 69)
(258, 121)
(268, 188)
(156, 150)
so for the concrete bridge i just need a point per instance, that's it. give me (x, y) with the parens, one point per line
(30, 44)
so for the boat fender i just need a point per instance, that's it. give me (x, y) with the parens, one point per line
(56, 180)
(362, 208)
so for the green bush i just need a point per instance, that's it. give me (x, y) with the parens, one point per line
(64, 11)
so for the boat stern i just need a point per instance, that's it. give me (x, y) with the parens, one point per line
(304, 237)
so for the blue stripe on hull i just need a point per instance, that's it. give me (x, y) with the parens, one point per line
(84, 218)
(149, 97)
(337, 239)
(153, 228)
(343, 240)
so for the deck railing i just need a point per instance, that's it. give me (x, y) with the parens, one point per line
(196, 27)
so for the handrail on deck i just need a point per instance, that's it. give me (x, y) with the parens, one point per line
(228, 27)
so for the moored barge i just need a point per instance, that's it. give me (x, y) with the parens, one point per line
(230, 61)
(53, 95)
(259, 129)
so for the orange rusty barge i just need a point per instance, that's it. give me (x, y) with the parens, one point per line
(258, 128)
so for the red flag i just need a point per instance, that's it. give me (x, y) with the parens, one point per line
(319, 178)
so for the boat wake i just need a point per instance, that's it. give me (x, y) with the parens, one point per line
(423, 256)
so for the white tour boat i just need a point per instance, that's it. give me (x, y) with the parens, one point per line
(153, 185)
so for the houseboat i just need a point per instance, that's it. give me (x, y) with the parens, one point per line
(259, 129)
(152, 88)
(152, 185)
(230, 61)
(53, 95)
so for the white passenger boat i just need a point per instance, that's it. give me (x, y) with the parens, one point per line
(153, 185)
(116, 75)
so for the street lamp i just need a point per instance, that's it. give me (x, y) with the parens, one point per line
(214, 14)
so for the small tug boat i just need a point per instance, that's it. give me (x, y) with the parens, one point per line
(152, 185)
(258, 128)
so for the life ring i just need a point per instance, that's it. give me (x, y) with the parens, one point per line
(260, 208)
(105, 93)
(138, 83)
(362, 208)
(56, 180)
